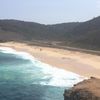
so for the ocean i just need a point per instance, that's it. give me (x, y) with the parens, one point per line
(23, 77)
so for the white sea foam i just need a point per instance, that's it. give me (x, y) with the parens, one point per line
(56, 76)
(59, 77)
(23, 55)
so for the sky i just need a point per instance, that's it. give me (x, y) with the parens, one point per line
(50, 11)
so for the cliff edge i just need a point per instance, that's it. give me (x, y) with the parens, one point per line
(85, 90)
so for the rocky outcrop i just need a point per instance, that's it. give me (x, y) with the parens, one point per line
(85, 90)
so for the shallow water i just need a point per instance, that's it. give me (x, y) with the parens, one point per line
(23, 77)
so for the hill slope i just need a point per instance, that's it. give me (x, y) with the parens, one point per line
(30, 30)
(83, 35)
(87, 34)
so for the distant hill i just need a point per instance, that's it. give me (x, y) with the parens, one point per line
(31, 30)
(86, 34)
(77, 34)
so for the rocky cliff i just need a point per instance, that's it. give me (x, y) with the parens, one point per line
(85, 90)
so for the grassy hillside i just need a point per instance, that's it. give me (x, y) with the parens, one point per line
(86, 34)
(83, 35)
(31, 31)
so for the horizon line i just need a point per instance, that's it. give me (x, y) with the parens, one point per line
(14, 19)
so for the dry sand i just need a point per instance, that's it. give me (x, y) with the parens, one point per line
(81, 63)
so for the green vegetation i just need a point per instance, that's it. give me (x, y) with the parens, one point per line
(82, 35)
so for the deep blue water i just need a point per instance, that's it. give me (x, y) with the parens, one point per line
(25, 78)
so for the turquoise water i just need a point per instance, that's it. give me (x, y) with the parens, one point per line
(22, 77)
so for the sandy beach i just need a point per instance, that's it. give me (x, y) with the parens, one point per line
(78, 62)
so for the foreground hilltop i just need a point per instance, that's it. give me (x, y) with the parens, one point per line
(76, 34)
(86, 90)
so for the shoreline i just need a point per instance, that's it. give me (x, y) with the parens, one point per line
(86, 65)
